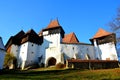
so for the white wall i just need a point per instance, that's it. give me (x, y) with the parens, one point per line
(29, 53)
(23, 55)
(53, 52)
(23, 51)
(51, 47)
(108, 50)
(79, 51)
(2, 55)
(32, 54)
(52, 40)
(15, 50)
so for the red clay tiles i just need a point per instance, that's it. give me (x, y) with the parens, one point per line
(70, 38)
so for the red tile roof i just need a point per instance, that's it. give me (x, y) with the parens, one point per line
(53, 24)
(101, 33)
(70, 38)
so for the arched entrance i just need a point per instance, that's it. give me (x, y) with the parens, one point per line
(51, 61)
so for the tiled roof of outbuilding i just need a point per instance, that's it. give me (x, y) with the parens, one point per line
(70, 38)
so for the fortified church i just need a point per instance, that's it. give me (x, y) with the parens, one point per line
(51, 46)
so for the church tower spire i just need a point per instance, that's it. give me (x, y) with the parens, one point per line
(53, 28)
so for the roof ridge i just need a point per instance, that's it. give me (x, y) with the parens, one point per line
(100, 33)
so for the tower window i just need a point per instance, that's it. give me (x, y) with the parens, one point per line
(32, 45)
(32, 52)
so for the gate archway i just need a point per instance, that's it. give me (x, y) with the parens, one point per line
(51, 61)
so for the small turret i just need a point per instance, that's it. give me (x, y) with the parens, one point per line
(53, 28)
(104, 44)
(53, 33)
(103, 36)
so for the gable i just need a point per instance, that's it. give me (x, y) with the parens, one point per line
(16, 39)
(32, 36)
(70, 38)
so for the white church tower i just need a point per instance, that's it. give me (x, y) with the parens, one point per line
(25, 47)
(52, 36)
(2, 53)
(105, 45)
(29, 49)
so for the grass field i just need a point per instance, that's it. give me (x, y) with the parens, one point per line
(44, 74)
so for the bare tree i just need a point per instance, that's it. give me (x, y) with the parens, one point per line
(115, 27)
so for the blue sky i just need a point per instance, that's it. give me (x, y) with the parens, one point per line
(84, 17)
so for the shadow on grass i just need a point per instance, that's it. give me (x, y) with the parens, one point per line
(31, 74)
(67, 74)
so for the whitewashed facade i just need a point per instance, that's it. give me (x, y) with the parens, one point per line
(78, 51)
(108, 51)
(104, 44)
(2, 53)
(28, 54)
(55, 47)
(15, 50)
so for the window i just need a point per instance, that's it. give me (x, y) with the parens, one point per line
(32, 52)
(32, 45)
(73, 48)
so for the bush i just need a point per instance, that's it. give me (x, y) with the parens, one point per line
(60, 65)
(9, 60)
